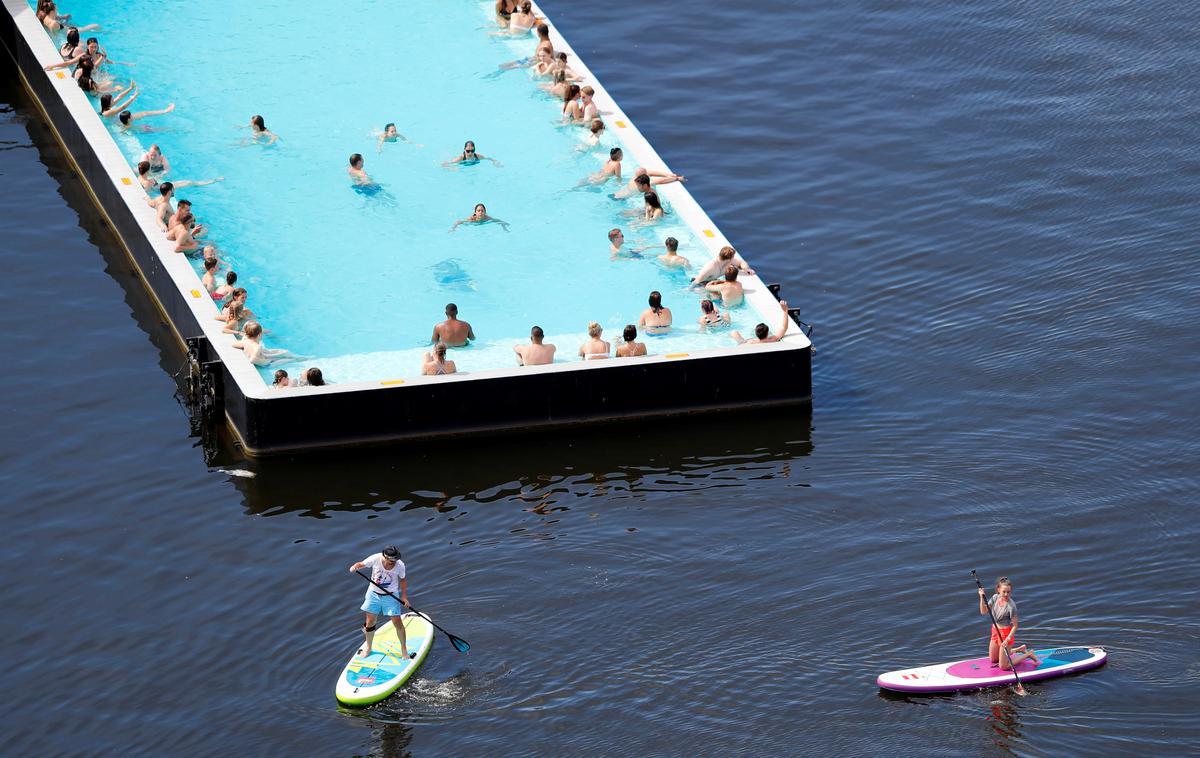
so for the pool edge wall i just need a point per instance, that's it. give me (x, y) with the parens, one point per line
(267, 421)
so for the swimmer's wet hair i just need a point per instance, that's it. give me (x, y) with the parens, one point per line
(451, 309)
(630, 333)
(731, 272)
(355, 158)
(671, 243)
(253, 329)
(210, 264)
(143, 167)
(440, 349)
(537, 333)
(761, 331)
(230, 277)
(616, 151)
(280, 375)
(726, 253)
(706, 306)
(258, 121)
(641, 179)
(613, 234)
(594, 329)
(314, 377)
(123, 116)
(165, 188)
(655, 301)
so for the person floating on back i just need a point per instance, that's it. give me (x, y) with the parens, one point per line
(387, 571)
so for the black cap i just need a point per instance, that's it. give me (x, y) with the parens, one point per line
(391, 552)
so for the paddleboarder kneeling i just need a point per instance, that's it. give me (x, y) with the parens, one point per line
(387, 571)
(1004, 627)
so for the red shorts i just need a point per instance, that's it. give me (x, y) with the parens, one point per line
(1003, 635)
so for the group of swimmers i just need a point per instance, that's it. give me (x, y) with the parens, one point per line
(717, 280)
(178, 223)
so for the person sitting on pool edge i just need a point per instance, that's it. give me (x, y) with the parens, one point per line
(536, 353)
(453, 331)
(631, 348)
(762, 331)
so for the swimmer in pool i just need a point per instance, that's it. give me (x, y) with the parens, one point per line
(644, 180)
(611, 169)
(480, 216)
(184, 241)
(595, 348)
(672, 259)
(235, 319)
(47, 13)
(595, 132)
(453, 331)
(224, 290)
(389, 134)
(537, 352)
(654, 210)
(357, 175)
(111, 105)
(730, 290)
(543, 45)
(504, 11)
(149, 183)
(762, 331)
(158, 162)
(182, 207)
(72, 47)
(162, 204)
(713, 268)
(435, 362)
(711, 317)
(519, 22)
(259, 133)
(558, 85)
(127, 118)
(559, 63)
(630, 348)
(591, 111)
(253, 346)
(656, 319)
(470, 158)
(572, 111)
(281, 379)
(616, 246)
(209, 280)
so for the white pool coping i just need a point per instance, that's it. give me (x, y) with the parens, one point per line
(205, 311)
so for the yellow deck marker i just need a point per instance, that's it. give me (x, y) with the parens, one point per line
(620, 124)
(678, 355)
(708, 233)
(196, 294)
(60, 75)
(391, 382)
(126, 180)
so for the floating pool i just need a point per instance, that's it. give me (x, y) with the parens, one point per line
(355, 281)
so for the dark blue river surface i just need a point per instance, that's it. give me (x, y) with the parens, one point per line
(989, 209)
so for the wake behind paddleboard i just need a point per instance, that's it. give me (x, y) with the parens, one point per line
(368, 680)
(978, 673)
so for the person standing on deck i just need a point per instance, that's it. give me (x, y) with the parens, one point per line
(387, 571)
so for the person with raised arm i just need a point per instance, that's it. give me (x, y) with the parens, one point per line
(762, 333)
(111, 105)
(128, 118)
(712, 270)
(644, 179)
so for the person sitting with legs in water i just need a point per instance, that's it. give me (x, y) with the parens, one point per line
(656, 319)
(436, 364)
(595, 348)
(630, 348)
(537, 353)
(762, 333)
(1004, 612)
(454, 332)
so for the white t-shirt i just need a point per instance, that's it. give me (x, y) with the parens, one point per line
(389, 580)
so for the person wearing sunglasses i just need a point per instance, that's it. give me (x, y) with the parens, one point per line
(470, 157)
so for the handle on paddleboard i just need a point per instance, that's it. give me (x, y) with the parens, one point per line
(992, 616)
(459, 643)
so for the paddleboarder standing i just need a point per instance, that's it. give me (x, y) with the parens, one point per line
(1003, 611)
(387, 573)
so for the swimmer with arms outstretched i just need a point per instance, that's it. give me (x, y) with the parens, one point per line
(537, 352)
(389, 134)
(128, 118)
(453, 331)
(480, 216)
(643, 179)
(469, 157)
(111, 105)
(762, 333)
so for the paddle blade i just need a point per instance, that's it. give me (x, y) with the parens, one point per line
(459, 643)
(1021, 691)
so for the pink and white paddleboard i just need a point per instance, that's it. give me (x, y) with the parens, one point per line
(978, 673)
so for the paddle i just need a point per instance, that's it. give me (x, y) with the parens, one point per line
(459, 643)
(1020, 690)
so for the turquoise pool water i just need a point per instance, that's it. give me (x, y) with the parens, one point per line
(356, 282)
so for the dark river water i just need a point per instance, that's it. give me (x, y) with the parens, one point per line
(989, 209)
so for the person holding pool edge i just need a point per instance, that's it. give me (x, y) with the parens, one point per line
(1003, 610)
(387, 571)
